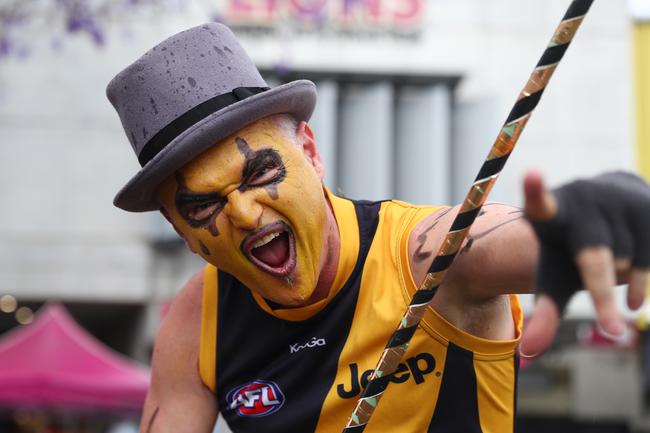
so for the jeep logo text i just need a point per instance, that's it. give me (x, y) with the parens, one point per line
(416, 367)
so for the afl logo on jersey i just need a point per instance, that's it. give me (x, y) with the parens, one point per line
(257, 398)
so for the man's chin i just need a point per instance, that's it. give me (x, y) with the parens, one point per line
(290, 299)
(293, 301)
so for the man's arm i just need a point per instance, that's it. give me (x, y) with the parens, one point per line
(497, 257)
(177, 399)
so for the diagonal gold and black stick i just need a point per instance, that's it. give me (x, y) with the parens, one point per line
(487, 176)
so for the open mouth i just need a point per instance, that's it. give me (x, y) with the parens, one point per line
(272, 249)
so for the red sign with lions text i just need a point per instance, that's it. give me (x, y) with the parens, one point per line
(403, 14)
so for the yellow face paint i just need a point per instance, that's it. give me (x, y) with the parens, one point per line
(254, 206)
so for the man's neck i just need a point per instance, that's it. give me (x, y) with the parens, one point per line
(330, 256)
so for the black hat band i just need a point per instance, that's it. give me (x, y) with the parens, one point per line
(179, 125)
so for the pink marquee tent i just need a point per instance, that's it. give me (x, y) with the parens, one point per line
(54, 362)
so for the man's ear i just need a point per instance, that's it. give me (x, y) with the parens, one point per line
(307, 141)
(168, 217)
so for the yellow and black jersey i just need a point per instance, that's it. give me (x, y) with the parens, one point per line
(301, 370)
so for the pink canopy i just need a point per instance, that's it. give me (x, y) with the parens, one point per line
(54, 362)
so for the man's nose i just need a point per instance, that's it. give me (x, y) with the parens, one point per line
(243, 210)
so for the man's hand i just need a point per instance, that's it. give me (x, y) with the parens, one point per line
(593, 234)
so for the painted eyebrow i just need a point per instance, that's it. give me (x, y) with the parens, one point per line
(185, 198)
(257, 162)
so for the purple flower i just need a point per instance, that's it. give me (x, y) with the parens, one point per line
(74, 24)
(87, 24)
(72, 16)
(95, 32)
(5, 46)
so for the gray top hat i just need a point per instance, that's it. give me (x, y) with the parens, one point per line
(186, 94)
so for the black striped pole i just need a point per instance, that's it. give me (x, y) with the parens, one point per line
(487, 176)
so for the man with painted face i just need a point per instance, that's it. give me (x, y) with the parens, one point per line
(302, 288)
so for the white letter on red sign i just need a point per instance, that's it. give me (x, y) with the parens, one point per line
(410, 10)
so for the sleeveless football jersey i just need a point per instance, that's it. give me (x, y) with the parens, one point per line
(302, 370)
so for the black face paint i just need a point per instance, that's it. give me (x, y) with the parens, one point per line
(477, 236)
(244, 148)
(419, 255)
(257, 164)
(491, 229)
(204, 248)
(212, 226)
(468, 245)
(152, 419)
(187, 201)
(272, 190)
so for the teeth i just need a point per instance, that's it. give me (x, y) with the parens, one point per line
(265, 240)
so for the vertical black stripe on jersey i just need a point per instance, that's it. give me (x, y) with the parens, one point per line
(253, 345)
(457, 407)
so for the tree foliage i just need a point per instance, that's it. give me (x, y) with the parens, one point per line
(22, 20)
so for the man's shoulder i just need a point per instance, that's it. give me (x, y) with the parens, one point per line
(193, 287)
(186, 306)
